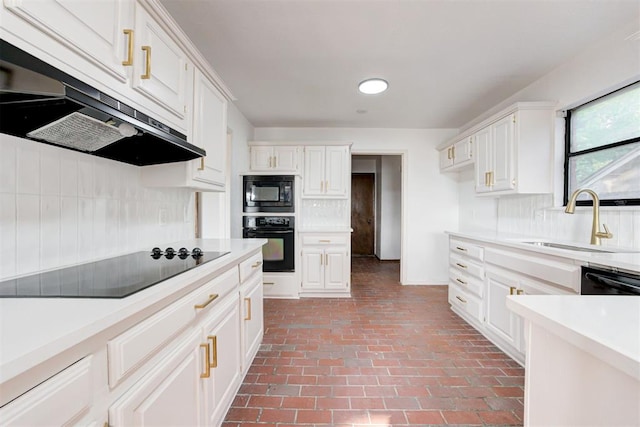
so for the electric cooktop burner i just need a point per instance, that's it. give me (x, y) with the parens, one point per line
(110, 278)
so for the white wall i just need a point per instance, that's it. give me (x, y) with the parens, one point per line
(215, 209)
(431, 202)
(390, 184)
(59, 207)
(607, 65)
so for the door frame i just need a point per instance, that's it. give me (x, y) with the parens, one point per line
(403, 199)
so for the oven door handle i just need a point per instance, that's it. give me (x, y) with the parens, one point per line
(270, 232)
(612, 283)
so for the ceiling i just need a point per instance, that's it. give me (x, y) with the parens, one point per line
(297, 63)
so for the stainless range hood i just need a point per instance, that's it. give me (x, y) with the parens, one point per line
(40, 102)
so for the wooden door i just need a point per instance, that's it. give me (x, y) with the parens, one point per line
(362, 213)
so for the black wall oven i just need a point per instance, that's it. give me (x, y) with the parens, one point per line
(278, 255)
(268, 193)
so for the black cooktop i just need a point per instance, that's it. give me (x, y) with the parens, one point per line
(110, 278)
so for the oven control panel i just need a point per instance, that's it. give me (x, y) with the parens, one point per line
(268, 221)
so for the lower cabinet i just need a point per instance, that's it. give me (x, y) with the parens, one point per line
(252, 319)
(499, 319)
(325, 269)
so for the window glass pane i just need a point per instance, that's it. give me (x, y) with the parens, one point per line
(607, 120)
(613, 173)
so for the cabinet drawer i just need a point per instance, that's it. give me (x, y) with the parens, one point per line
(279, 286)
(466, 302)
(250, 266)
(466, 266)
(60, 400)
(325, 239)
(128, 351)
(467, 249)
(470, 283)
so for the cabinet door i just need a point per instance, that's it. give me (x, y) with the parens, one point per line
(336, 268)
(484, 162)
(171, 394)
(500, 319)
(314, 177)
(160, 73)
(209, 131)
(503, 154)
(222, 334)
(252, 319)
(285, 158)
(446, 158)
(462, 151)
(93, 29)
(336, 171)
(261, 158)
(312, 268)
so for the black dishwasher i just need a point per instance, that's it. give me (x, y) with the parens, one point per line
(600, 281)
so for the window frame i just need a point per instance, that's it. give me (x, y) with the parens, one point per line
(568, 154)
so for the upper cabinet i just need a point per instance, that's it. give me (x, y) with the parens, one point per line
(512, 151)
(327, 170)
(274, 158)
(457, 155)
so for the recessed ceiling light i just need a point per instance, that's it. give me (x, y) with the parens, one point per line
(373, 86)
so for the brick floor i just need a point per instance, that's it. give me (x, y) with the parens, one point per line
(390, 355)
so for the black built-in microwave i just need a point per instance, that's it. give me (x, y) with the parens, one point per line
(268, 193)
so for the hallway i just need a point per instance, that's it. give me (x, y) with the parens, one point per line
(390, 355)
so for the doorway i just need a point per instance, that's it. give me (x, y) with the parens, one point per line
(362, 214)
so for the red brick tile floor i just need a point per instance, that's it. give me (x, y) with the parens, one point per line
(391, 355)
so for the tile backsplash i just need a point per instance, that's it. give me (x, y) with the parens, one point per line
(319, 213)
(59, 207)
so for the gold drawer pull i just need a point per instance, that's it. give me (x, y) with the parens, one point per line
(207, 357)
(324, 241)
(201, 167)
(326, 259)
(129, 60)
(520, 292)
(461, 281)
(461, 265)
(248, 300)
(214, 345)
(147, 68)
(461, 249)
(257, 264)
(268, 283)
(512, 290)
(461, 299)
(212, 298)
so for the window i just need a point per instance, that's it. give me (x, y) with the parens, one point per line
(602, 150)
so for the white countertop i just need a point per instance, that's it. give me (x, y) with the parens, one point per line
(629, 261)
(607, 327)
(33, 330)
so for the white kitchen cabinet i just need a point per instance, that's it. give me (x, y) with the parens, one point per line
(252, 318)
(495, 166)
(457, 155)
(281, 285)
(274, 158)
(171, 394)
(325, 265)
(326, 171)
(499, 319)
(466, 280)
(63, 399)
(100, 32)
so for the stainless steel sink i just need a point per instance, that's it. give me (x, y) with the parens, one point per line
(567, 247)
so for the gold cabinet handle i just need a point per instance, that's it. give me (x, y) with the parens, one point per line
(461, 265)
(275, 162)
(486, 179)
(449, 153)
(214, 346)
(207, 357)
(270, 162)
(461, 299)
(326, 186)
(491, 179)
(129, 60)
(248, 300)
(147, 68)
(512, 290)
(257, 264)
(201, 167)
(211, 299)
(453, 152)
(268, 283)
(326, 259)
(461, 249)
(461, 281)
(324, 241)
(520, 292)
(322, 186)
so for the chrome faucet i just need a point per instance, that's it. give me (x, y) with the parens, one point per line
(596, 234)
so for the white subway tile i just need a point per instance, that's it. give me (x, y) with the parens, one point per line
(8, 235)
(113, 231)
(85, 229)
(50, 215)
(27, 233)
(28, 169)
(100, 227)
(69, 230)
(85, 176)
(69, 174)
(8, 165)
(50, 172)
